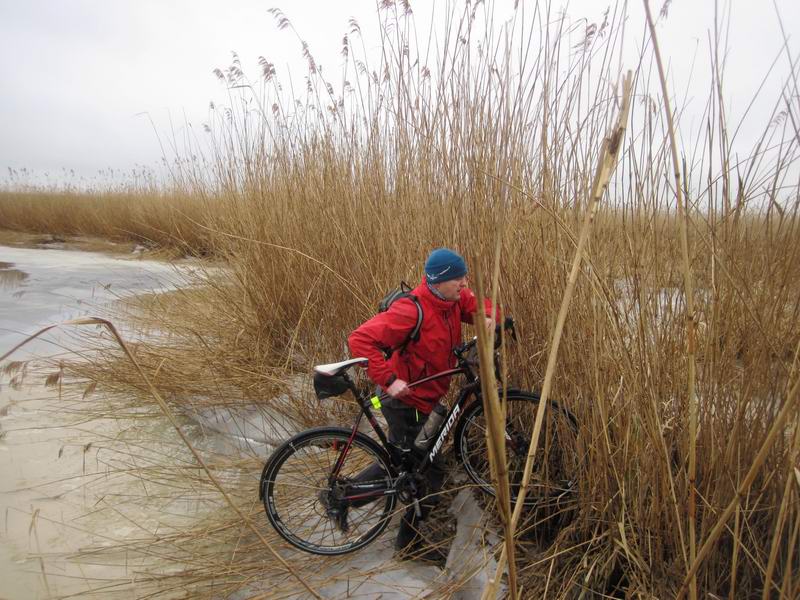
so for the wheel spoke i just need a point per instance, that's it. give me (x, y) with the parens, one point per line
(311, 514)
(555, 465)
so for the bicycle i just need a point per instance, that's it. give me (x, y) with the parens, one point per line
(307, 485)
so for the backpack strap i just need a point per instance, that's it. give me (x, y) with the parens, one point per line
(413, 336)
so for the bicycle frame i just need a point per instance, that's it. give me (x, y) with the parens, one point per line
(401, 457)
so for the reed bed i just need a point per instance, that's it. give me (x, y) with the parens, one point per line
(320, 202)
(149, 217)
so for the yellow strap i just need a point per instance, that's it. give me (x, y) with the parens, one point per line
(376, 402)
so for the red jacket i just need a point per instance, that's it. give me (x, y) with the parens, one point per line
(432, 353)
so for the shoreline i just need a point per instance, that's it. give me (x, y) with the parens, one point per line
(51, 241)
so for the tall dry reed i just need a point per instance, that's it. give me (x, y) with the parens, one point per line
(320, 202)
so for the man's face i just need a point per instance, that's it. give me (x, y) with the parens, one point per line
(451, 290)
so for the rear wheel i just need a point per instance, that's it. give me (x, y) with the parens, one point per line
(309, 506)
(555, 465)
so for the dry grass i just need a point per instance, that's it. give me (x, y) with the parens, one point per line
(152, 219)
(324, 201)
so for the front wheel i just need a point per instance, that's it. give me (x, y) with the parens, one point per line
(326, 493)
(556, 461)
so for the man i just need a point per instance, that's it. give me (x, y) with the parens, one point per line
(446, 303)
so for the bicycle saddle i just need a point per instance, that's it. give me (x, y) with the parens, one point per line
(333, 369)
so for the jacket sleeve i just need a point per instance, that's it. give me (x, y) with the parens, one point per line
(469, 306)
(384, 331)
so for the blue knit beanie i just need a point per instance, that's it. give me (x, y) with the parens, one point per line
(443, 265)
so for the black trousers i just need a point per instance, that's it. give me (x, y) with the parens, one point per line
(404, 424)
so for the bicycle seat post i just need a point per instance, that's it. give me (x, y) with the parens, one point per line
(364, 400)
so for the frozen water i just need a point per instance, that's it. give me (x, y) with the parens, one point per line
(41, 287)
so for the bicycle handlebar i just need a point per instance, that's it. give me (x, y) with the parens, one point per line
(462, 349)
(507, 325)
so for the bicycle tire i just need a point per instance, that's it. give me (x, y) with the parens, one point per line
(556, 448)
(298, 472)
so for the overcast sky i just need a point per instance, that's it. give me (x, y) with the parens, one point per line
(77, 75)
